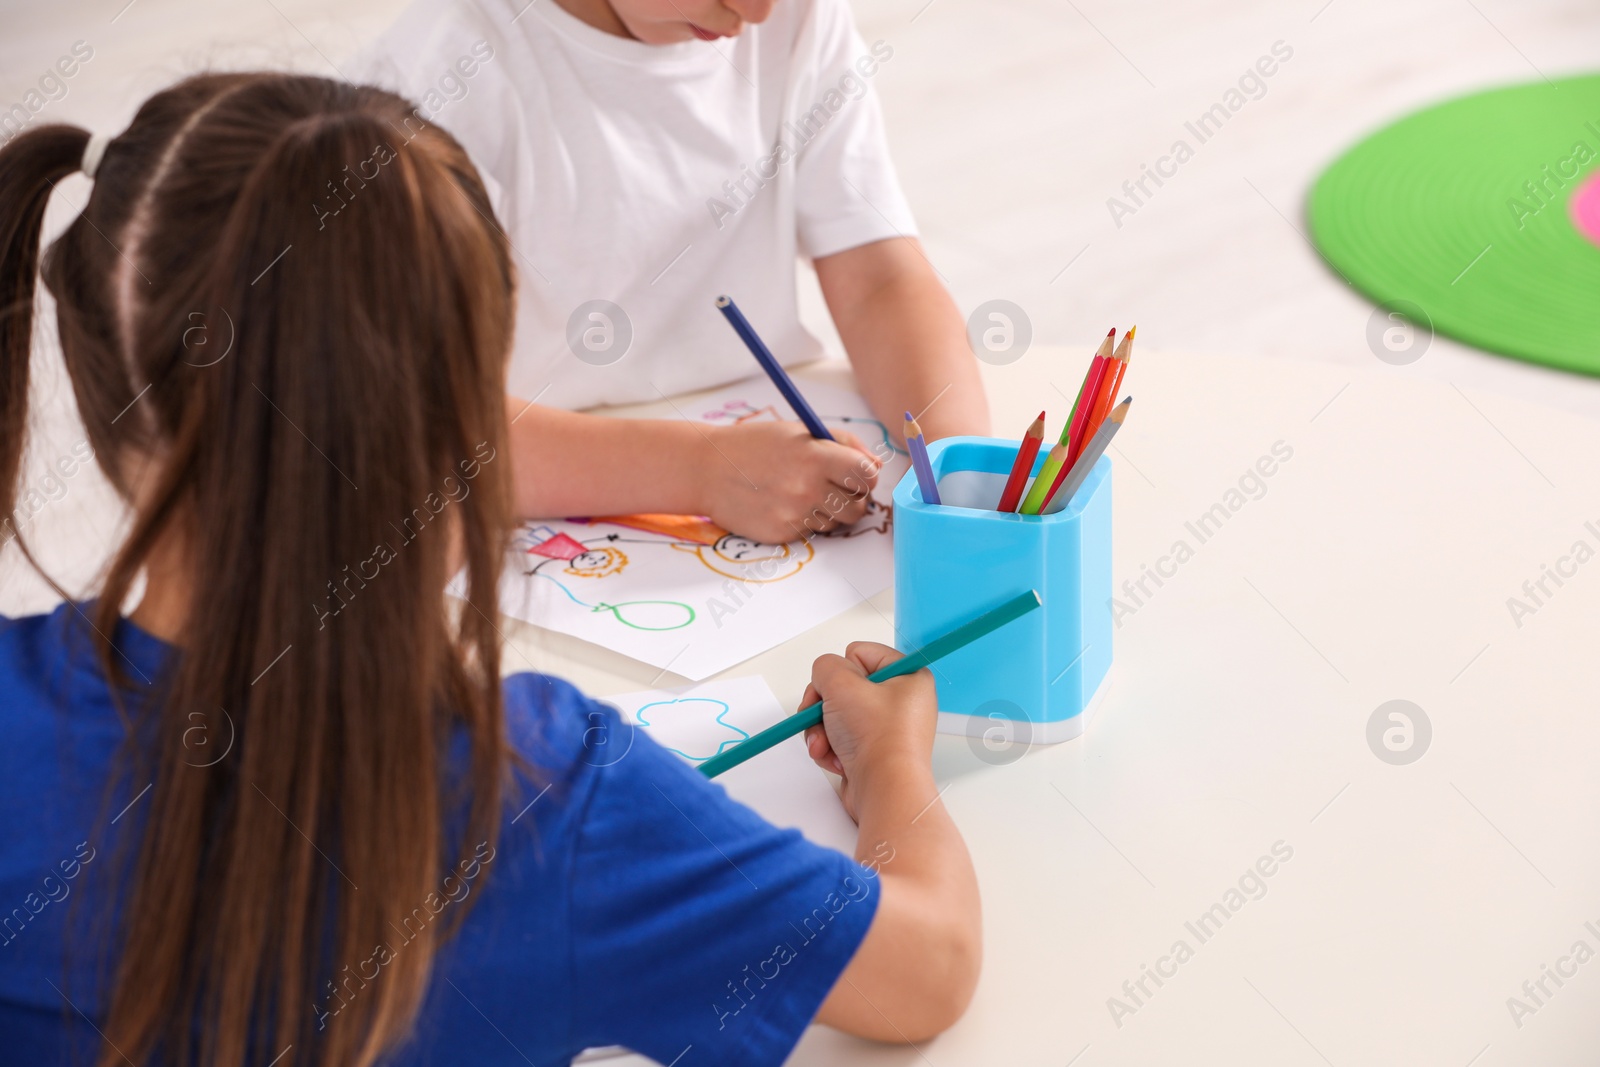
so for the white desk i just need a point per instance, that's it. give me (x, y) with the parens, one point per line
(1376, 566)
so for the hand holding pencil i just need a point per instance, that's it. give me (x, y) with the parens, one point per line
(868, 724)
(774, 482)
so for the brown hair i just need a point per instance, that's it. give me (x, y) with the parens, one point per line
(342, 253)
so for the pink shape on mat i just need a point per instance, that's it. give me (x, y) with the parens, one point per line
(1584, 207)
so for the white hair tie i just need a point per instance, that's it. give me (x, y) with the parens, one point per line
(93, 152)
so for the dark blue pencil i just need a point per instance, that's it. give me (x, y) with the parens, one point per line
(774, 369)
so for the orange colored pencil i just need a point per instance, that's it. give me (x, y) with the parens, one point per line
(1113, 383)
(1031, 440)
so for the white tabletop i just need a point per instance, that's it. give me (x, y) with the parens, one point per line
(1374, 564)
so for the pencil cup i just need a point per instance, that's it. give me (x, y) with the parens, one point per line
(1039, 678)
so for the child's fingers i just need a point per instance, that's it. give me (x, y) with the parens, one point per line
(820, 749)
(845, 437)
(851, 511)
(871, 656)
(851, 466)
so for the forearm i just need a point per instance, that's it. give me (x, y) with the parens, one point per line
(909, 349)
(906, 340)
(917, 971)
(564, 463)
(900, 812)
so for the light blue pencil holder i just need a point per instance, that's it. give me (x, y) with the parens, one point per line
(1039, 678)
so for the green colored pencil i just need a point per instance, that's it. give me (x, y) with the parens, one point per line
(1040, 489)
(936, 649)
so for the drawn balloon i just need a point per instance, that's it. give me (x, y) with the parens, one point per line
(650, 614)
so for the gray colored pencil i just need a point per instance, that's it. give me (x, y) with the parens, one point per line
(1091, 455)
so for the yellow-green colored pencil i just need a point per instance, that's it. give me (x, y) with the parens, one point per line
(1040, 489)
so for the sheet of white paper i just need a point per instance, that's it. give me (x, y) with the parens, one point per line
(663, 597)
(782, 783)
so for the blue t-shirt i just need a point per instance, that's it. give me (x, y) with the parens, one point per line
(633, 903)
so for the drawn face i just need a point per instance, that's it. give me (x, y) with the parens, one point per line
(745, 560)
(737, 549)
(597, 563)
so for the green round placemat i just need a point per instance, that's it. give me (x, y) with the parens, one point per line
(1434, 210)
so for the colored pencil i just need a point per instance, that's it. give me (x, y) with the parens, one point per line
(1061, 495)
(1081, 429)
(1054, 464)
(1108, 392)
(774, 369)
(934, 650)
(1031, 440)
(1102, 353)
(918, 447)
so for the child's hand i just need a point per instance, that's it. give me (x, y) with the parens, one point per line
(774, 482)
(868, 727)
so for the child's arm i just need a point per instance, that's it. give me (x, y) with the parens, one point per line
(917, 967)
(770, 481)
(905, 337)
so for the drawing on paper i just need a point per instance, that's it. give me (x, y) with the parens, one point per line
(879, 519)
(601, 561)
(746, 560)
(686, 595)
(743, 559)
(698, 724)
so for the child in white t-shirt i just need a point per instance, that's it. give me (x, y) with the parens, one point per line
(645, 156)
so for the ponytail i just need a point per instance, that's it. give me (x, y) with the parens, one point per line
(30, 165)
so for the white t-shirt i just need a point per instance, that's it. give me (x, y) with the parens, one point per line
(654, 178)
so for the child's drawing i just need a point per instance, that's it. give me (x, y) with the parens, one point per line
(879, 519)
(600, 561)
(696, 728)
(783, 784)
(869, 429)
(745, 560)
(683, 594)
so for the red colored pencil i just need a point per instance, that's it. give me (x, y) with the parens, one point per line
(1023, 466)
(1079, 406)
(1078, 431)
(1113, 382)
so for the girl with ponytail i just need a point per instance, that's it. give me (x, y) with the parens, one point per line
(286, 811)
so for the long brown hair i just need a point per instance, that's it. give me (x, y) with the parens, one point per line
(286, 298)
